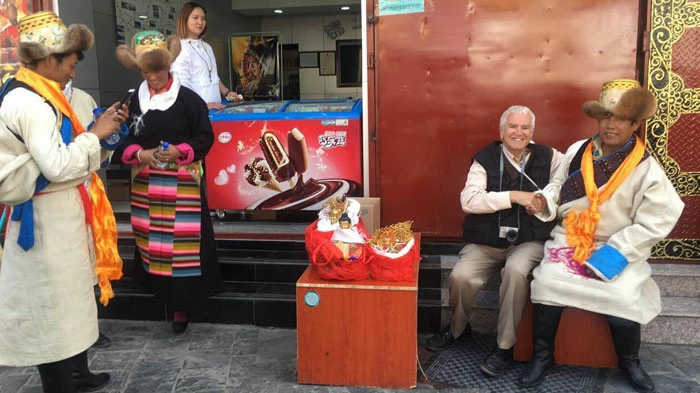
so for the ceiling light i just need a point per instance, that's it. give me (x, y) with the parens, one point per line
(345, 8)
(143, 17)
(278, 11)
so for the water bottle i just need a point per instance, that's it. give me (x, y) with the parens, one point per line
(163, 147)
(112, 141)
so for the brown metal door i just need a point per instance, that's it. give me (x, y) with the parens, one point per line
(673, 135)
(445, 75)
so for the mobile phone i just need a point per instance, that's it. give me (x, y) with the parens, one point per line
(127, 97)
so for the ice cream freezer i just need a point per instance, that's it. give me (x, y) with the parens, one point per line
(284, 155)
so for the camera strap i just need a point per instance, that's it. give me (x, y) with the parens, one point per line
(500, 181)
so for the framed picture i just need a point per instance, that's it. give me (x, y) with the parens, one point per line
(255, 61)
(326, 63)
(308, 59)
(349, 53)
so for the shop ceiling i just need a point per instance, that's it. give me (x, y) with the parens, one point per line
(293, 7)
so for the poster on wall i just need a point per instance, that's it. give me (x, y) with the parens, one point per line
(10, 12)
(139, 15)
(255, 66)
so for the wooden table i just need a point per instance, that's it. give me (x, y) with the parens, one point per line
(356, 333)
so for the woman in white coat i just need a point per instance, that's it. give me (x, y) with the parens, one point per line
(196, 64)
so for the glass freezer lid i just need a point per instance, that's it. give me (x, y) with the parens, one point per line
(321, 106)
(253, 107)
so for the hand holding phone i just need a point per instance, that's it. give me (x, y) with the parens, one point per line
(126, 98)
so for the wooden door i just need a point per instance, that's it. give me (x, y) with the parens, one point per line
(445, 75)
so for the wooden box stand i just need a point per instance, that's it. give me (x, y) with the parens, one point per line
(356, 333)
(583, 339)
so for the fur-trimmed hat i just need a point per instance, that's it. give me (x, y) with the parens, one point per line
(150, 51)
(624, 98)
(43, 34)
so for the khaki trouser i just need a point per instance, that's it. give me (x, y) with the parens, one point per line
(477, 263)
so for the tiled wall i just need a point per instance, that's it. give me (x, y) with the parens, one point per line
(308, 33)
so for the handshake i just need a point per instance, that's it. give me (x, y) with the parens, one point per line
(532, 202)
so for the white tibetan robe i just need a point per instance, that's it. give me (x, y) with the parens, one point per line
(641, 212)
(47, 302)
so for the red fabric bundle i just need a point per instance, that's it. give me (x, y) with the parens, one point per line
(383, 268)
(328, 259)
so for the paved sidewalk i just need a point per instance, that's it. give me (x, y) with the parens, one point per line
(145, 357)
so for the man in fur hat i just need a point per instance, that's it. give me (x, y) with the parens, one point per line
(48, 315)
(613, 203)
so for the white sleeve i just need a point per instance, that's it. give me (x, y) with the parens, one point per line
(39, 128)
(656, 207)
(559, 172)
(183, 67)
(474, 197)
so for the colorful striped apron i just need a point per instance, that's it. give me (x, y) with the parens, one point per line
(166, 218)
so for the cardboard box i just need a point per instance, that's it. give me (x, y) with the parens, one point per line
(370, 209)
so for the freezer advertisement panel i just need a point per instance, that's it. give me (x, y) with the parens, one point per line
(283, 164)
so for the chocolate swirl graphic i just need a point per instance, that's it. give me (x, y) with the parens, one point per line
(308, 195)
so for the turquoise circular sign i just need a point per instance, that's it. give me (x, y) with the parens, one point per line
(312, 299)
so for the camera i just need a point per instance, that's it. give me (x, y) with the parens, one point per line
(508, 233)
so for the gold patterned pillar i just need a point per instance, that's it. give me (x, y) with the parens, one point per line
(673, 135)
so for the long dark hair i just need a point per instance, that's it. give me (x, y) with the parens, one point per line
(185, 12)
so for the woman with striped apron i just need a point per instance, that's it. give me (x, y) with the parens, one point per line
(169, 215)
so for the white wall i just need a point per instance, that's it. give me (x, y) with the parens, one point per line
(101, 75)
(307, 32)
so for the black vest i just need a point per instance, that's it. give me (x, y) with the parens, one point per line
(484, 228)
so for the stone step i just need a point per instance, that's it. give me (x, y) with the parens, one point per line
(678, 323)
(254, 303)
(674, 280)
(677, 280)
(277, 261)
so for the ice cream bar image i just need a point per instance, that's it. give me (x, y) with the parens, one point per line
(296, 144)
(257, 173)
(276, 157)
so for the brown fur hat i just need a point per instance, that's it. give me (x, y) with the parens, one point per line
(149, 51)
(623, 98)
(43, 34)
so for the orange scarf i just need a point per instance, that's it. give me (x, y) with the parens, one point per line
(103, 223)
(580, 227)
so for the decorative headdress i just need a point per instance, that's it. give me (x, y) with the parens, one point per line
(624, 98)
(43, 34)
(150, 51)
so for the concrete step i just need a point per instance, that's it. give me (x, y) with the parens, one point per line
(677, 280)
(678, 322)
(674, 280)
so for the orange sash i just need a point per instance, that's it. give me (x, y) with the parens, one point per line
(580, 227)
(103, 225)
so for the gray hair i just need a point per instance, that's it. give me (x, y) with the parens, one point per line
(516, 109)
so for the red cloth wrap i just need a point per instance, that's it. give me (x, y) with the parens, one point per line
(328, 260)
(383, 268)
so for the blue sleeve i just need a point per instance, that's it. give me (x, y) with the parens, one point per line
(607, 263)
